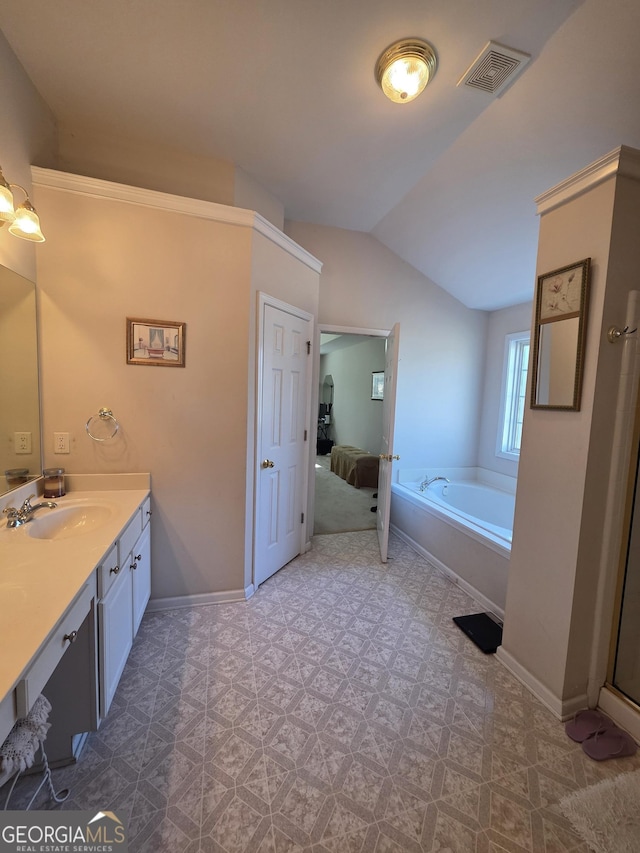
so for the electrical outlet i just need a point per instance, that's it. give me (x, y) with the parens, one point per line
(22, 442)
(61, 442)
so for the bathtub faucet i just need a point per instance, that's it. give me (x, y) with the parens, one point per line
(426, 483)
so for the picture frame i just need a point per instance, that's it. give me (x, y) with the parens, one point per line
(155, 343)
(558, 337)
(377, 385)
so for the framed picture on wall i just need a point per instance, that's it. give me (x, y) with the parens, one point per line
(377, 385)
(158, 343)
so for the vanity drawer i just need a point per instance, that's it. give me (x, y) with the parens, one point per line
(28, 689)
(108, 571)
(129, 537)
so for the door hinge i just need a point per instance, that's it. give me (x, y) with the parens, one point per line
(305, 435)
(308, 347)
(301, 518)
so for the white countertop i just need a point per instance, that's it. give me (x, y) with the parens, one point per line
(40, 578)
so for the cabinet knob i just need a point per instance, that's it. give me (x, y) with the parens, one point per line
(114, 570)
(71, 637)
(138, 558)
(133, 566)
(149, 512)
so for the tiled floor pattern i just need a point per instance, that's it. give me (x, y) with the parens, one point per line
(339, 710)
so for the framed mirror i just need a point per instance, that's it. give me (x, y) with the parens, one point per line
(559, 337)
(20, 449)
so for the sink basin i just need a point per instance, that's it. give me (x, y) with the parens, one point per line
(68, 521)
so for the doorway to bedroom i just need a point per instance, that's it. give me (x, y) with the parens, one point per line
(350, 427)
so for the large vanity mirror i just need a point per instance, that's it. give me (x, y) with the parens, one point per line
(20, 449)
(559, 337)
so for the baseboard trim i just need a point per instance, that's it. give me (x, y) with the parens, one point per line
(563, 709)
(175, 602)
(622, 711)
(482, 600)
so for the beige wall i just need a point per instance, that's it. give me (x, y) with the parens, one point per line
(105, 261)
(442, 343)
(561, 505)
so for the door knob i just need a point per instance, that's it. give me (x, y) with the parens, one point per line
(388, 457)
(267, 463)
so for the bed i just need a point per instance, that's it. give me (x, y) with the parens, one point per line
(358, 467)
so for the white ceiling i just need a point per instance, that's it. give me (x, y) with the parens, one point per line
(285, 89)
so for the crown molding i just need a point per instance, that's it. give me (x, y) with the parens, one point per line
(622, 161)
(97, 188)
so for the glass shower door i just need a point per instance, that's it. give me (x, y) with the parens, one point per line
(626, 673)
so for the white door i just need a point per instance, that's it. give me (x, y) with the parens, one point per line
(386, 453)
(283, 446)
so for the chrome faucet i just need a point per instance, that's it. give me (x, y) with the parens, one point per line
(426, 483)
(16, 517)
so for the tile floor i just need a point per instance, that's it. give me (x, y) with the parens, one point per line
(339, 710)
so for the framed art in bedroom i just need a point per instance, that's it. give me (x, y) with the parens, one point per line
(377, 385)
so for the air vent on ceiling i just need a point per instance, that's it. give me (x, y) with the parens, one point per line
(495, 68)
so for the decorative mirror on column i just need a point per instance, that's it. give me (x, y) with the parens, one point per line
(559, 337)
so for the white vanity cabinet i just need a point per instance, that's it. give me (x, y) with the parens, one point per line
(124, 587)
(71, 602)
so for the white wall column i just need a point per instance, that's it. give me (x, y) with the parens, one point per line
(564, 539)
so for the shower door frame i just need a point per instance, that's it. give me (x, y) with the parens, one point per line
(622, 708)
(632, 497)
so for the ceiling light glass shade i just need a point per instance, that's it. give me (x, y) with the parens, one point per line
(26, 223)
(7, 213)
(404, 69)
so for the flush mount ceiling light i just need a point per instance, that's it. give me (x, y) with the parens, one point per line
(404, 69)
(24, 219)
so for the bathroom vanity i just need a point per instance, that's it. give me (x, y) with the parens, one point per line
(74, 584)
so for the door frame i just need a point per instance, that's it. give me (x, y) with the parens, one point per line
(328, 329)
(305, 539)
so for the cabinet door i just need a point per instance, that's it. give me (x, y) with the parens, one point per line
(141, 576)
(116, 637)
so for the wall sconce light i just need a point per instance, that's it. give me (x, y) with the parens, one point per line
(24, 219)
(404, 69)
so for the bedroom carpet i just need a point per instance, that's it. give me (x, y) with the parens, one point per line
(340, 508)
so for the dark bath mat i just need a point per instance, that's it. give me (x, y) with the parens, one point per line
(482, 629)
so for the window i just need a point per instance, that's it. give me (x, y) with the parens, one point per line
(513, 394)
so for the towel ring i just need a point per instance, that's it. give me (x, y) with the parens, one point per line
(103, 415)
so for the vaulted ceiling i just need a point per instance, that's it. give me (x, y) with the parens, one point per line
(285, 89)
